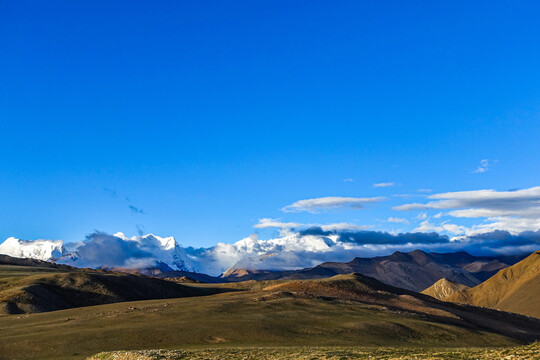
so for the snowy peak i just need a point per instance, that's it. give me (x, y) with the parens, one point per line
(33, 249)
(104, 250)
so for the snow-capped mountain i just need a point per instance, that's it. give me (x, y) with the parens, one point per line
(164, 249)
(102, 250)
(285, 252)
(34, 249)
(150, 251)
(289, 251)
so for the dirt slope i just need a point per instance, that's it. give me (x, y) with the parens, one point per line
(444, 288)
(515, 289)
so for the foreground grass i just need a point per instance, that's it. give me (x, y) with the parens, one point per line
(529, 352)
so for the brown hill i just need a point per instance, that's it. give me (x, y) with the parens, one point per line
(515, 289)
(375, 294)
(415, 270)
(28, 286)
(444, 288)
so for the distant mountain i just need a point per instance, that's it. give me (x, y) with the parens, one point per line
(145, 254)
(515, 289)
(29, 286)
(416, 270)
(444, 288)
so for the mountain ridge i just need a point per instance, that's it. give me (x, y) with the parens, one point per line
(515, 288)
(415, 270)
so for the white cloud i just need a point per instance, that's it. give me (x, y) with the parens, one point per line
(341, 227)
(426, 226)
(348, 180)
(454, 229)
(514, 225)
(328, 203)
(514, 211)
(384, 184)
(424, 190)
(526, 201)
(421, 216)
(397, 220)
(483, 167)
(267, 223)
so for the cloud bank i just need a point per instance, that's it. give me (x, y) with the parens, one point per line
(312, 246)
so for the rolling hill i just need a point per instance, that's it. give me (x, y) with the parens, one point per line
(515, 289)
(345, 310)
(28, 286)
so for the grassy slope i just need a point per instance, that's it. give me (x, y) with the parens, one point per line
(264, 314)
(29, 289)
(515, 289)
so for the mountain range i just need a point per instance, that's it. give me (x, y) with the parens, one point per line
(146, 253)
(414, 271)
(164, 257)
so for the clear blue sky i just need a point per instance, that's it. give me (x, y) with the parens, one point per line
(209, 115)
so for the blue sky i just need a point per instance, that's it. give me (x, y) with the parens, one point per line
(209, 116)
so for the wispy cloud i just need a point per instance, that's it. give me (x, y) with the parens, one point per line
(421, 216)
(384, 184)
(267, 223)
(329, 203)
(397, 220)
(135, 210)
(483, 167)
(348, 180)
(110, 192)
(132, 208)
